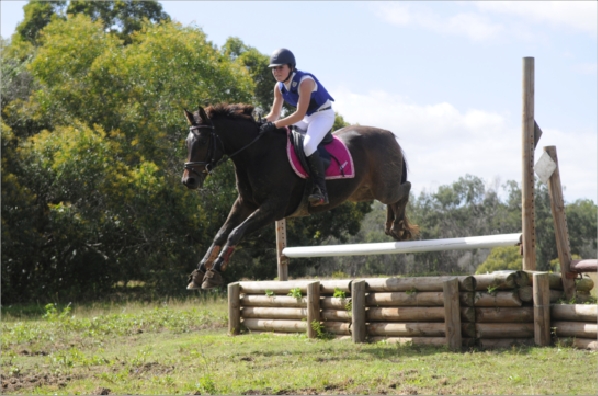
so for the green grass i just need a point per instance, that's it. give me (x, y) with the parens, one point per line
(181, 347)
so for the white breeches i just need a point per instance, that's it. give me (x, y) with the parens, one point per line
(316, 127)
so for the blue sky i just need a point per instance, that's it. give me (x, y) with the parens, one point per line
(446, 77)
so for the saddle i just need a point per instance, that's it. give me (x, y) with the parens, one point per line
(297, 138)
(335, 155)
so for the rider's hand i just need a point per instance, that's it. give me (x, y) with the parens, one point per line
(267, 126)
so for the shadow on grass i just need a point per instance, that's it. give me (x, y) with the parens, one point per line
(388, 351)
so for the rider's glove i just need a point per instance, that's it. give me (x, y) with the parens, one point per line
(267, 127)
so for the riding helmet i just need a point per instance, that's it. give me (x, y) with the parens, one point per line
(282, 57)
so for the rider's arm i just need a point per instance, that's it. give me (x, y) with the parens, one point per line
(305, 89)
(276, 106)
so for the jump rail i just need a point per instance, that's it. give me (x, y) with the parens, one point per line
(476, 242)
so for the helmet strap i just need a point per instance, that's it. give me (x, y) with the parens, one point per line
(290, 74)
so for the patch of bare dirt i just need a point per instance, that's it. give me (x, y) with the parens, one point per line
(26, 352)
(25, 382)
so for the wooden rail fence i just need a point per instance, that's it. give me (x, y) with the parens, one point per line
(488, 311)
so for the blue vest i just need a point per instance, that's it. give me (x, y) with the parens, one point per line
(317, 98)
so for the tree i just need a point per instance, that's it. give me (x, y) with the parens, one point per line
(120, 17)
(256, 64)
(37, 15)
(106, 170)
(582, 225)
(501, 258)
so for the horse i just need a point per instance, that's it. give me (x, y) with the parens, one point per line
(269, 190)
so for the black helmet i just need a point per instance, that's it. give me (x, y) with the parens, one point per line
(282, 57)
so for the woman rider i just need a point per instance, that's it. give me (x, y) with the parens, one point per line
(314, 114)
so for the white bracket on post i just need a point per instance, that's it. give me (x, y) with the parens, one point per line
(545, 167)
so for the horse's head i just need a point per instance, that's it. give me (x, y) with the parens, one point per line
(203, 147)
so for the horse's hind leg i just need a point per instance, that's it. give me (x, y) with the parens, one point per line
(397, 224)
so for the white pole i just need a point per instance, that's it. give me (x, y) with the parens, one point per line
(367, 249)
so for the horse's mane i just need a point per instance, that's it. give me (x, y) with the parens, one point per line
(233, 111)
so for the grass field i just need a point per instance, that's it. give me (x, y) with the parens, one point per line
(181, 347)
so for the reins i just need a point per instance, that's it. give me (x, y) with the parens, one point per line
(210, 164)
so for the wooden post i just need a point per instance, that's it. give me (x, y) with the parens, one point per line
(358, 311)
(234, 308)
(452, 314)
(282, 262)
(313, 308)
(527, 187)
(557, 205)
(541, 309)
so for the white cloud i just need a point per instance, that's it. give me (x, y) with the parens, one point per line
(443, 143)
(475, 27)
(578, 15)
(484, 20)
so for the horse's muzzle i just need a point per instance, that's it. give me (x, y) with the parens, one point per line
(192, 181)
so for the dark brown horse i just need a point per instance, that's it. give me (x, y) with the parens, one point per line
(268, 188)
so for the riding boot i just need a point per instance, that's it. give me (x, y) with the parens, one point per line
(316, 171)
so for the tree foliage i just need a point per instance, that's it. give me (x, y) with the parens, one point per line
(37, 15)
(121, 17)
(93, 145)
(502, 258)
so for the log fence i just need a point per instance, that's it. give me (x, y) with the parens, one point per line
(487, 311)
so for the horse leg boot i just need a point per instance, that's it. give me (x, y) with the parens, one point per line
(196, 278)
(213, 277)
(319, 196)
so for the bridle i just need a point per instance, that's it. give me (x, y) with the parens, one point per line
(210, 163)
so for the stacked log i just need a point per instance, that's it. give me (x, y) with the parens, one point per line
(500, 318)
(575, 325)
(335, 314)
(570, 324)
(410, 310)
(267, 306)
(583, 286)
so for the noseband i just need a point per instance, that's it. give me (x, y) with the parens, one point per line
(210, 163)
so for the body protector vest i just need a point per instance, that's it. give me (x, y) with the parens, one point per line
(317, 97)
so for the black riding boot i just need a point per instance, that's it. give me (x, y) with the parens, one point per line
(316, 171)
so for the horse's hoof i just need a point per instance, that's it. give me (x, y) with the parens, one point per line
(195, 279)
(212, 279)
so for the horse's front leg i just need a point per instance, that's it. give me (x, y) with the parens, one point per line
(267, 213)
(238, 213)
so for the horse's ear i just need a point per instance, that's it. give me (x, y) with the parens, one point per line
(202, 114)
(189, 117)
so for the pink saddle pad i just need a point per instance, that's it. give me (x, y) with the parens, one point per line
(343, 168)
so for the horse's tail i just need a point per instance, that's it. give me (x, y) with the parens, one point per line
(410, 230)
(404, 166)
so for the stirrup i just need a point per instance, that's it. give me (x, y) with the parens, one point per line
(317, 199)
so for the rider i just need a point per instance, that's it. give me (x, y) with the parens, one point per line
(314, 114)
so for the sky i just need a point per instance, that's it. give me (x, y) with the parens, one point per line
(445, 77)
